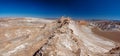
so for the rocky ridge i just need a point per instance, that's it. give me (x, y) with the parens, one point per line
(62, 37)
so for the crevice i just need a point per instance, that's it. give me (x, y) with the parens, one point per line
(39, 51)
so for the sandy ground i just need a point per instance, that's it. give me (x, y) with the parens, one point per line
(115, 36)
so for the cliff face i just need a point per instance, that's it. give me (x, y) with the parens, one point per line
(62, 37)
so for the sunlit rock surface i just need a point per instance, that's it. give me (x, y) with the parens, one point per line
(60, 37)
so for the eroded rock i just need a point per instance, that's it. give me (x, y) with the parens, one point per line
(63, 37)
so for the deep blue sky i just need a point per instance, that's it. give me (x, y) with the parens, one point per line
(56, 8)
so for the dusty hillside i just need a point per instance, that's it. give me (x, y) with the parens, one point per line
(62, 37)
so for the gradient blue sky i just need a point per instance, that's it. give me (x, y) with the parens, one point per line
(109, 9)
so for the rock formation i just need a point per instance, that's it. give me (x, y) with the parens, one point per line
(62, 37)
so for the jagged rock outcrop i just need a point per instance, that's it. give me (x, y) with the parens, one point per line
(62, 37)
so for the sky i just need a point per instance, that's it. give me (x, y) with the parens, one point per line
(104, 9)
